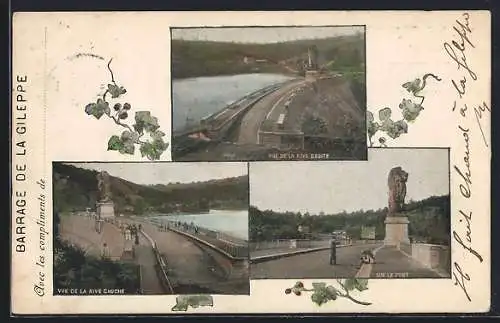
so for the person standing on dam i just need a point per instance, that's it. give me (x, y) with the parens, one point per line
(333, 251)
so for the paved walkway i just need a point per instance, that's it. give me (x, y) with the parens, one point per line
(311, 265)
(275, 251)
(392, 263)
(80, 230)
(145, 257)
(187, 263)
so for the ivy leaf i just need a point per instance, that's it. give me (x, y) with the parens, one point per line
(384, 114)
(318, 285)
(413, 86)
(97, 109)
(387, 125)
(144, 121)
(369, 117)
(128, 142)
(157, 134)
(89, 108)
(148, 150)
(115, 143)
(350, 284)
(323, 294)
(410, 110)
(361, 284)
(128, 148)
(116, 90)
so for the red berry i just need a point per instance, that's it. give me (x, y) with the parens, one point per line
(288, 291)
(297, 292)
(300, 285)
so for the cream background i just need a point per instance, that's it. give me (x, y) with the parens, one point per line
(400, 47)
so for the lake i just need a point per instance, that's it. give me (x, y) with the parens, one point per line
(234, 223)
(198, 97)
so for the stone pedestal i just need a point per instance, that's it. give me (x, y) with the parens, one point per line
(396, 230)
(105, 210)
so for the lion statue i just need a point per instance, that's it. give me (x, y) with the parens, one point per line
(397, 189)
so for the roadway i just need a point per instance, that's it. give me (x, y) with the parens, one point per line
(311, 265)
(389, 263)
(252, 120)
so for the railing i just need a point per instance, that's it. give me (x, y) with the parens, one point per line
(162, 266)
(233, 246)
(293, 244)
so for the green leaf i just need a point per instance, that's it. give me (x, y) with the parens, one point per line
(184, 301)
(413, 86)
(145, 122)
(157, 134)
(89, 108)
(147, 150)
(369, 117)
(318, 285)
(114, 143)
(350, 284)
(372, 129)
(332, 291)
(116, 91)
(361, 284)
(384, 114)
(128, 148)
(410, 110)
(319, 298)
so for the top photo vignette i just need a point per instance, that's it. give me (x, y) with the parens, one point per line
(268, 93)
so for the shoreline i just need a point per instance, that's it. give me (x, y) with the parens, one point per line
(185, 78)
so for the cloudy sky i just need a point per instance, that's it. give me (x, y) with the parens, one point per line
(332, 187)
(261, 34)
(164, 173)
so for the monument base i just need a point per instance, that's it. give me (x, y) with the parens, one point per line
(105, 210)
(396, 230)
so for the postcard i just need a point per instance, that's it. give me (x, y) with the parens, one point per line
(288, 162)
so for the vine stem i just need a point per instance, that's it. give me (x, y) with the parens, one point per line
(117, 121)
(347, 295)
(111, 71)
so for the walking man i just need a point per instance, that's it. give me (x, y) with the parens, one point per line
(333, 251)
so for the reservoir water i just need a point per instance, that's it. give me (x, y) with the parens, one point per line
(198, 97)
(234, 223)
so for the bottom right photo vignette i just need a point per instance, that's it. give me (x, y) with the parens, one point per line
(388, 217)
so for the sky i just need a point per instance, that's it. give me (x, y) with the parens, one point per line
(332, 187)
(163, 173)
(262, 34)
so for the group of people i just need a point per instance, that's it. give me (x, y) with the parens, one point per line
(131, 231)
(187, 227)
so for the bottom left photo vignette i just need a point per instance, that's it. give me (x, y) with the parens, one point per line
(123, 228)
